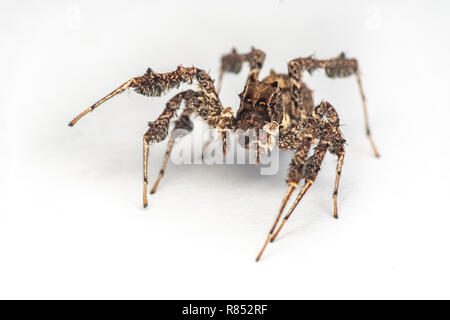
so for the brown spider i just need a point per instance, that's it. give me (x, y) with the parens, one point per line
(280, 104)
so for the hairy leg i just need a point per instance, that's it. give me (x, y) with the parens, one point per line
(157, 132)
(294, 176)
(233, 62)
(326, 112)
(311, 169)
(338, 67)
(336, 183)
(157, 84)
(154, 84)
(158, 129)
(183, 123)
(325, 132)
(299, 138)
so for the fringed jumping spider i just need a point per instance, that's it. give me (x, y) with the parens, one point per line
(280, 104)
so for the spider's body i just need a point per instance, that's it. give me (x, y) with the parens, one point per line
(279, 105)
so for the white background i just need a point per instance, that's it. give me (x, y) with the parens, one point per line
(71, 217)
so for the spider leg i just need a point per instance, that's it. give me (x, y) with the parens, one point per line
(311, 168)
(233, 61)
(158, 129)
(157, 132)
(305, 188)
(186, 125)
(286, 197)
(338, 67)
(146, 147)
(294, 176)
(156, 84)
(336, 183)
(325, 111)
(226, 124)
(258, 153)
(366, 116)
(164, 165)
(153, 84)
(126, 85)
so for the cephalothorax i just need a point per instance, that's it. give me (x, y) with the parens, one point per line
(280, 104)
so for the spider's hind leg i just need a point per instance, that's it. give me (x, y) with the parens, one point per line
(343, 67)
(233, 62)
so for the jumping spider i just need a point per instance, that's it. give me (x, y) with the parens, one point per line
(280, 104)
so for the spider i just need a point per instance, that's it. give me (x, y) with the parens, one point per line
(280, 104)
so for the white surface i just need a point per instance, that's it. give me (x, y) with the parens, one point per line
(71, 222)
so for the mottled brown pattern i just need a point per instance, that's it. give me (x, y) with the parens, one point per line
(233, 62)
(280, 103)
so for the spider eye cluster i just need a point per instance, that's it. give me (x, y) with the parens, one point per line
(260, 103)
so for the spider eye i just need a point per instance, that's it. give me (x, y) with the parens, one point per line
(261, 103)
(248, 100)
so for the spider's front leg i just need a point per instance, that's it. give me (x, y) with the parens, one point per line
(157, 132)
(183, 125)
(311, 169)
(154, 84)
(158, 129)
(326, 112)
(328, 142)
(324, 124)
(299, 138)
